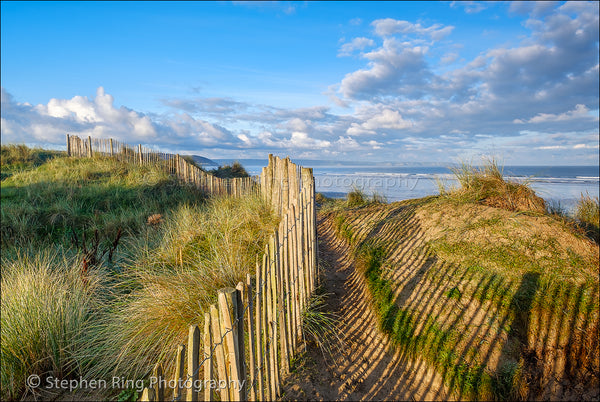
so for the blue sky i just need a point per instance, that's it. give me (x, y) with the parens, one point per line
(379, 81)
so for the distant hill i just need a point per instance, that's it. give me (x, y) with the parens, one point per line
(204, 162)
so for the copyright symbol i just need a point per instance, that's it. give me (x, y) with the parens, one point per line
(33, 381)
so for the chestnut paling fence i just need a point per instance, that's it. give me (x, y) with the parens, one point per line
(171, 163)
(250, 336)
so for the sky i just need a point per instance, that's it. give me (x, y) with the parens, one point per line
(370, 81)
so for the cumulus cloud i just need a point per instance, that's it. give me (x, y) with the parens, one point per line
(580, 112)
(297, 140)
(394, 69)
(356, 44)
(387, 119)
(550, 80)
(98, 117)
(390, 26)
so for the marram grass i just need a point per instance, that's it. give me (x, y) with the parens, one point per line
(178, 248)
(47, 306)
(488, 186)
(172, 279)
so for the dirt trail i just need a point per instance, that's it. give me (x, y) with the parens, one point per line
(367, 368)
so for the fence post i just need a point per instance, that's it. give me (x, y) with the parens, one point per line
(68, 146)
(259, 336)
(274, 269)
(208, 363)
(90, 154)
(193, 349)
(147, 395)
(251, 339)
(230, 314)
(158, 376)
(266, 324)
(179, 367)
(219, 349)
(282, 291)
(242, 294)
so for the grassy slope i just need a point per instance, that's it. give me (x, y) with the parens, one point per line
(503, 304)
(113, 318)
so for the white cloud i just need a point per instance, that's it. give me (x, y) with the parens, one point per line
(386, 120)
(347, 144)
(297, 141)
(389, 26)
(471, 7)
(394, 68)
(389, 119)
(356, 44)
(302, 140)
(549, 80)
(580, 112)
(98, 117)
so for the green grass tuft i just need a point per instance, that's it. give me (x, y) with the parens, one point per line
(587, 212)
(487, 185)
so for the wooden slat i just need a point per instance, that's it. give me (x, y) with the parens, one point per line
(192, 365)
(229, 313)
(179, 370)
(208, 342)
(219, 350)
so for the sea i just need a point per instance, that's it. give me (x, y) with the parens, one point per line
(560, 186)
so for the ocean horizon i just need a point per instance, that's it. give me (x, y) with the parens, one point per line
(560, 185)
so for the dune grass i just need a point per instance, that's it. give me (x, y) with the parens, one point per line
(587, 213)
(47, 307)
(487, 185)
(172, 279)
(66, 196)
(68, 316)
(18, 157)
(355, 198)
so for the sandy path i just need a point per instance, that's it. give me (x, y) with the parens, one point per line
(366, 368)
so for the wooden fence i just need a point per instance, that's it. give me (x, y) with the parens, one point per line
(171, 163)
(250, 336)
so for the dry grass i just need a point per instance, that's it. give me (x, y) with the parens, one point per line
(486, 185)
(173, 277)
(122, 316)
(47, 308)
(587, 213)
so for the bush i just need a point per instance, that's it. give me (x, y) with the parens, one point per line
(232, 171)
